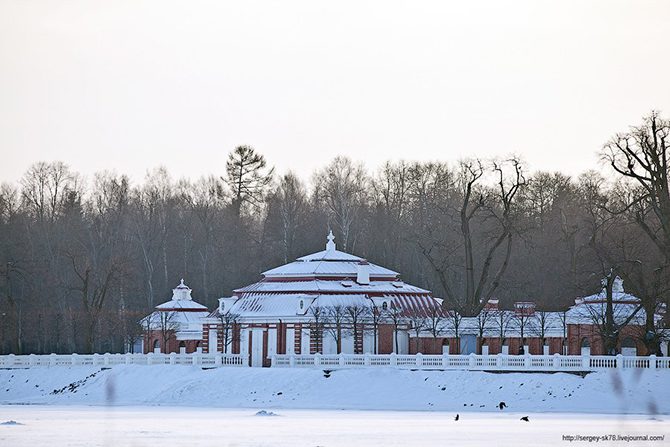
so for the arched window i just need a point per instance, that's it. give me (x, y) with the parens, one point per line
(156, 345)
(385, 305)
(302, 304)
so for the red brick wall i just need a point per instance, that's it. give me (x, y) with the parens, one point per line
(385, 339)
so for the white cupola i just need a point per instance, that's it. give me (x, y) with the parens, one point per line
(181, 292)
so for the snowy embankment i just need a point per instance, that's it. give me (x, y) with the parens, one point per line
(631, 391)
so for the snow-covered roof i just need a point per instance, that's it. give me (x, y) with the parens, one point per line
(591, 309)
(181, 300)
(266, 305)
(180, 305)
(330, 262)
(286, 305)
(419, 305)
(322, 286)
(355, 300)
(326, 268)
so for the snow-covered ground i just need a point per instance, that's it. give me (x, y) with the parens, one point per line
(640, 392)
(57, 426)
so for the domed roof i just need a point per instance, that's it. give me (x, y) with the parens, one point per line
(329, 262)
(181, 300)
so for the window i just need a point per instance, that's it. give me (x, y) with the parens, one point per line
(385, 305)
(302, 304)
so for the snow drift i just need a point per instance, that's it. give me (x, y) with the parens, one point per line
(630, 392)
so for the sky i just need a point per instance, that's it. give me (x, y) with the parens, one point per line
(131, 85)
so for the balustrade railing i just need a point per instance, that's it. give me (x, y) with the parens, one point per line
(471, 362)
(197, 359)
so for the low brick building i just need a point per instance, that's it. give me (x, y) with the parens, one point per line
(176, 325)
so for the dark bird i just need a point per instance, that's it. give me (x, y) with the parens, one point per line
(456, 418)
(502, 405)
(525, 418)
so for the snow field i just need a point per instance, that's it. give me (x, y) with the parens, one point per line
(608, 392)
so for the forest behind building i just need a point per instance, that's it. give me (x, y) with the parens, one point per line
(82, 260)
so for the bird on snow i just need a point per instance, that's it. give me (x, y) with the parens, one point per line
(456, 418)
(502, 405)
(525, 418)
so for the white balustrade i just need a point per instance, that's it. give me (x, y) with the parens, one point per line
(12, 361)
(471, 362)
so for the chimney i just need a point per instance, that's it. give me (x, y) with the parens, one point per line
(363, 272)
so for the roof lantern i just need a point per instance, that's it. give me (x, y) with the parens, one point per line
(181, 292)
(617, 285)
(330, 245)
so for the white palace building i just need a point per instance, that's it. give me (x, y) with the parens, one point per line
(333, 302)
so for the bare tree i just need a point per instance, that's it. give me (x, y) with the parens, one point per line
(335, 324)
(502, 321)
(642, 155)
(396, 316)
(94, 284)
(563, 315)
(228, 320)
(541, 324)
(356, 315)
(341, 186)
(435, 322)
(523, 318)
(497, 205)
(292, 201)
(418, 324)
(378, 316)
(484, 322)
(454, 326)
(607, 319)
(168, 325)
(317, 326)
(45, 187)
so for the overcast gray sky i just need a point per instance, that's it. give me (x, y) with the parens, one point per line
(130, 85)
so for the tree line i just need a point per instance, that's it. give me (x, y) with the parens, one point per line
(83, 260)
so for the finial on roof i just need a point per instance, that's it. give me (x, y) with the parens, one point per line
(181, 292)
(330, 245)
(617, 286)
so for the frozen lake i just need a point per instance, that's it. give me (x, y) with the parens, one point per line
(56, 426)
